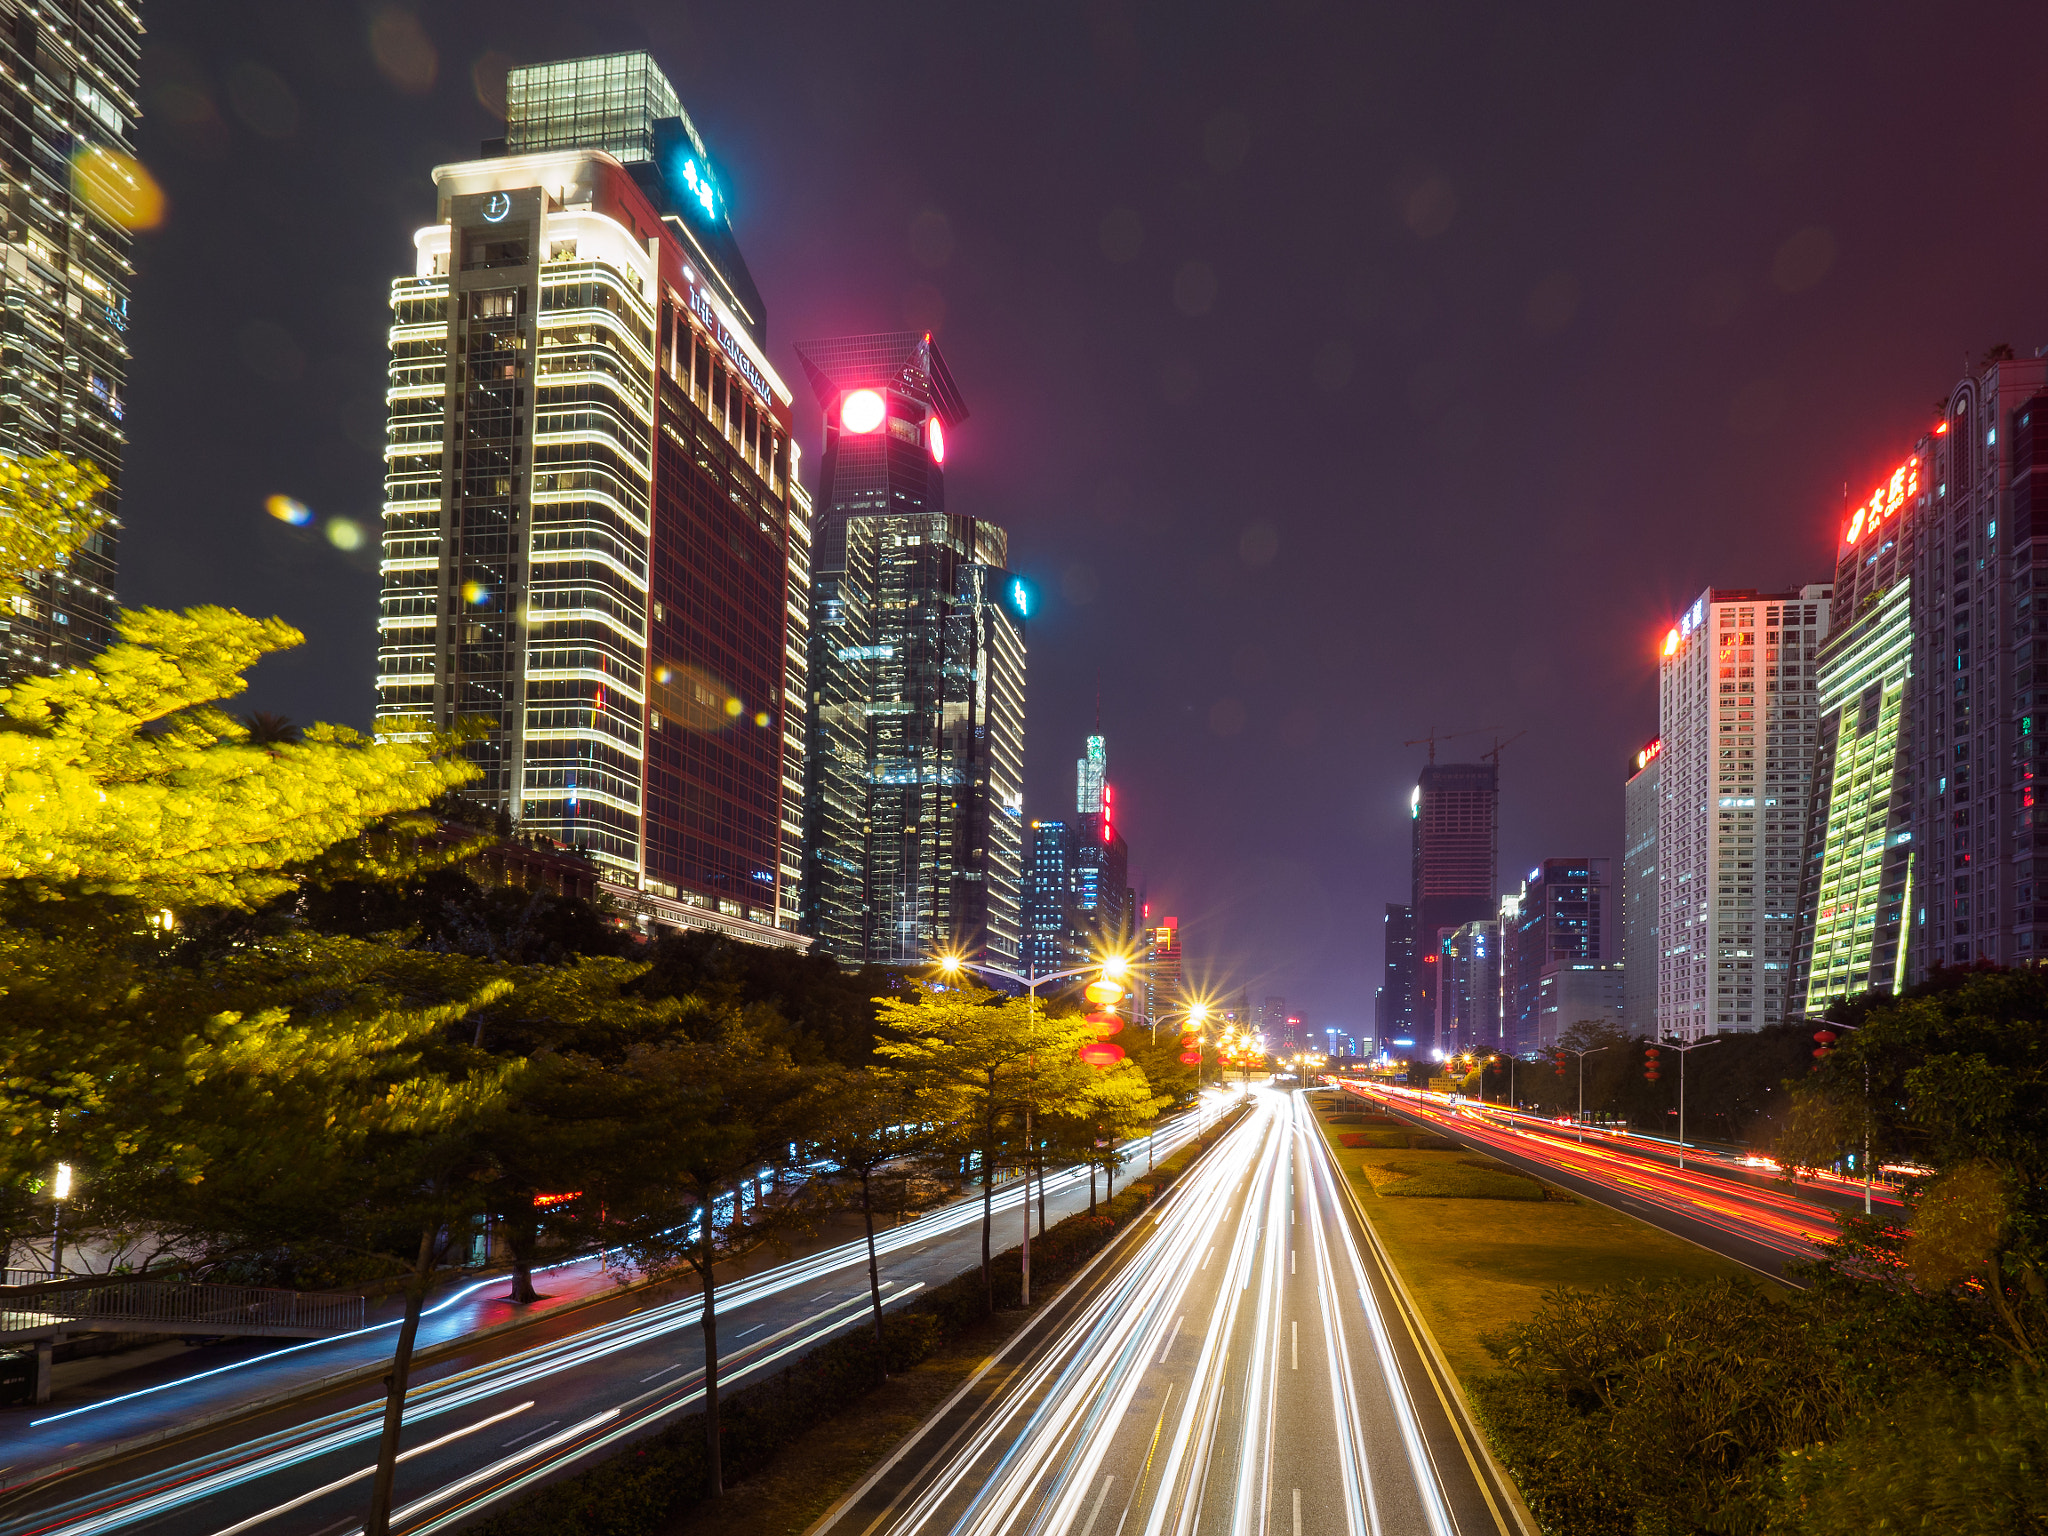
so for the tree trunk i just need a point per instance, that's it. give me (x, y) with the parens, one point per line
(1091, 1186)
(714, 1466)
(1041, 1195)
(379, 1521)
(522, 1238)
(867, 1217)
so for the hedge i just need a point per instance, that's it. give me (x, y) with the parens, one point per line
(659, 1480)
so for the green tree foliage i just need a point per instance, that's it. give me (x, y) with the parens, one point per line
(48, 511)
(834, 1010)
(868, 1122)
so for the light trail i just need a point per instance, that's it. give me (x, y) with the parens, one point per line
(1241, 1425)
(213, 1475)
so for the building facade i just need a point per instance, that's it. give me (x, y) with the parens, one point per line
(1468, 996)
(69, 88)
(1453, 816)
(593, 542)
(913, 818)
(1577, 992)
(1639, 890)
(1048, 898)
(1101, 918)
(1161, 953)
(1395, 1016)
(1560, 918)
(1738, 712)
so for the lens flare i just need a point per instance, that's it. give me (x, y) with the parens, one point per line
(288, 509)
(343, 534)
(761, 719)
(861, 411)
(117, 188)
(475, 592)
(735, 708)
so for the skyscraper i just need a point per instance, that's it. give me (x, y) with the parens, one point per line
(1860, 852)
(1101, 918)
(914, 813)
(68, 94)
(593, 539)
(1560, 919)
(1163, 1000)
(1639, 890)
(1396, 1012)
(1468, 995)
(1453, 819)
(1738, 714)
(1972, 732)
(1049, 898)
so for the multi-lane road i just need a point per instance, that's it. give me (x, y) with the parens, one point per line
(514, 1410)
(1244, 1364)
(1758, 1223)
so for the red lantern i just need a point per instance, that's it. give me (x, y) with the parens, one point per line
(1101, 1054)
(1191, 1058)
(1106, 1024)
(1106, 994)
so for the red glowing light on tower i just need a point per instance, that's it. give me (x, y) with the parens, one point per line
(936, 434)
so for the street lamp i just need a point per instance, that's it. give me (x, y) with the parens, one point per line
(1110, 966)
(1683, 1052)
(1594, 1050)
(60, 1191)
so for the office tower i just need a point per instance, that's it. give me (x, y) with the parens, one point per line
(1577, 992)
(593, 541)
(1102, 919)
(1980, 580)
(914, 811)
(1738, 713)
(1161, 951)
(68, 89)
(1452, 817)
(1271, 1019)
(1396, 1020)
(1560, 918)
(1639, 891)
(1049, 898)
(1468, 996)
(1860, 853)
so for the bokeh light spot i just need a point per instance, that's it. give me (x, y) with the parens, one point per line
(344, 534)
(117, 188)
(475, 592)
(735, 708)
(289, 509)
(404, 53)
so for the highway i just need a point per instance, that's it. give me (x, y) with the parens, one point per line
(1761, 1226)
(515, 1410)
(1243, 1365)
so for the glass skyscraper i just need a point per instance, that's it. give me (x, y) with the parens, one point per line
(594, 545)
(913, 818)
(68, 87)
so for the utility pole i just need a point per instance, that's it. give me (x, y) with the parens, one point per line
(1683, 1052)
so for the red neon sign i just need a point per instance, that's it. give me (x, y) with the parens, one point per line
(1650, 754)
(1884, 502)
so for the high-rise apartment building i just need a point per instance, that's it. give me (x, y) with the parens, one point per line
(914, 811)
(1162, 958)
(68, 91)
(1560, 919)
(1469, 990)
(1639, 890)
(1738, 716)
(594, 542)
(1395, 1015)
(1453, 821)
(1971, 734)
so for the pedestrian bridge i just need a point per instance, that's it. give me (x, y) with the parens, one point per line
(36, 1310)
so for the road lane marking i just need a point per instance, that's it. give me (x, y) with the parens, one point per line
(1172, 1336)
(1297, 1512)
(551, 1423)
(1290, 1261)
(1208, 1256)
(745, 1331)
(1090, 1526)
(1294, 1335)
(663, 1371)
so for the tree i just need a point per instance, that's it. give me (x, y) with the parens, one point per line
(868, 1122)
(1110, 1105)
(966, 1053)
(714, 1108)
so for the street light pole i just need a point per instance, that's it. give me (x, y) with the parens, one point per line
(1831, 1024)
(1594, 1050)
(1683, 1052)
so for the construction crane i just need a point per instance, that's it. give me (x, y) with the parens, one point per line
(1498, 744)
(1432, 738)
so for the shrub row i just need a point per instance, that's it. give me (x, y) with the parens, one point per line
(659, 1480)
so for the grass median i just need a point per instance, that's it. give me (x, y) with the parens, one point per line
(1479, 1243)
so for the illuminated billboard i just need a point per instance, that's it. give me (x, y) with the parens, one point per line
(1884, 503)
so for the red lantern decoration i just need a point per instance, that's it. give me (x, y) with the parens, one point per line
(1106, 1024)
(1101, 1054)
(1191, 1058)
(1105, 994)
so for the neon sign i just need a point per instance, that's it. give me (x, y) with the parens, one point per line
(701, 187)
(1650, 754)
(1884, 502)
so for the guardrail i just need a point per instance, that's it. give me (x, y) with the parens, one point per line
(172, 1306)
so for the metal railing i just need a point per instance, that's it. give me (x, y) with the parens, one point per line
(173, 1306)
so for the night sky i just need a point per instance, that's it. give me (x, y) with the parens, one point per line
(1340, 371)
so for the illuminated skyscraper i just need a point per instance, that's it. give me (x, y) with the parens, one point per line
(1395, 1014)
(1639, 890)
(1163, 1000)
(1468, 994)
(1738, 711)
(1560, 919)
(68, 89)
(1102, 917)
(1049, 898)
(914, 830)
(593, 541)
(1453, 819)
